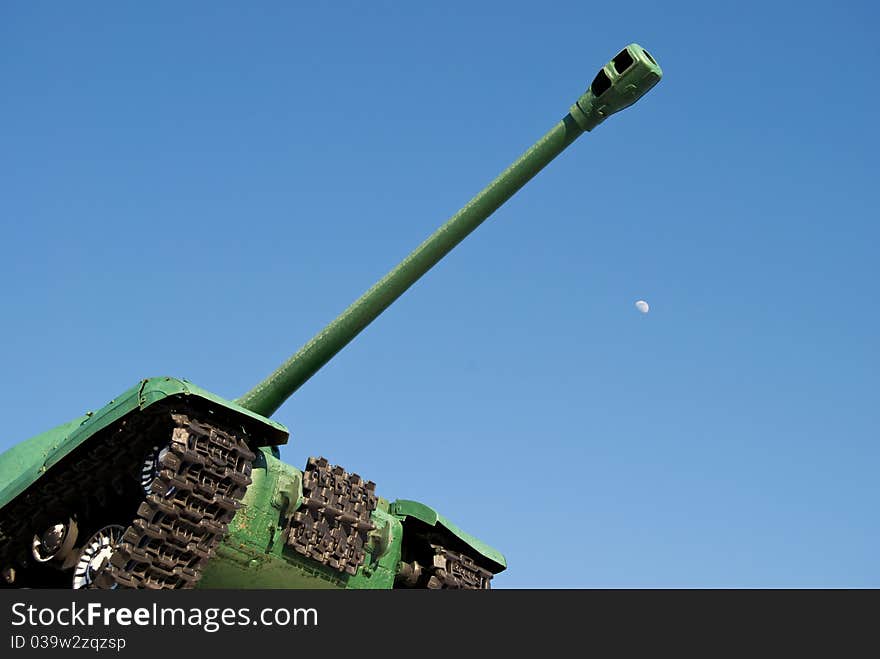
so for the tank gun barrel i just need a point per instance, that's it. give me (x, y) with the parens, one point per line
(617, 85)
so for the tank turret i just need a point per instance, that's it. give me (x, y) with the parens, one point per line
(171, 486)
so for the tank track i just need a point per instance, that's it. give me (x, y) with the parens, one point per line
(451, 569)
(174, 529)
(203, 477)
(332, 524)
(87, 479)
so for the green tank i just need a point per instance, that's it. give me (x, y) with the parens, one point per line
(171, 486)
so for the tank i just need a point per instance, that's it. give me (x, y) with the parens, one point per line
(171, 486)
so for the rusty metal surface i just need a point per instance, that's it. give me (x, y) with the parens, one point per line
(203, 477)
(334, 519)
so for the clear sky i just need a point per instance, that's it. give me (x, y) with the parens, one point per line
(195, 189)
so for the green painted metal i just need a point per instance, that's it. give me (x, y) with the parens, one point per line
(152, 390)
(405, 508)
(617, 85)
(25, 462)
(255, 554)
(599, 102)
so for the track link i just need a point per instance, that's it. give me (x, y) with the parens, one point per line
(203, 477)
(451, 569)
(332, 524)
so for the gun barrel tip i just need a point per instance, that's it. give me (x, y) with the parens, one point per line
(642, 52)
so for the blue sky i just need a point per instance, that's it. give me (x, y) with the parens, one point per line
(195, 190)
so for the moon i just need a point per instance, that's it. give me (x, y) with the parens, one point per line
(642, 306)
